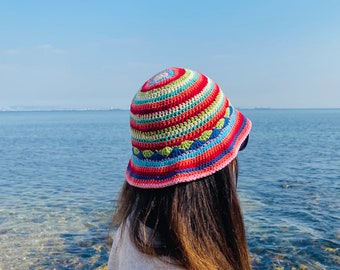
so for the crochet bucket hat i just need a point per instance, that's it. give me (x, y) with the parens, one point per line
(182, 128)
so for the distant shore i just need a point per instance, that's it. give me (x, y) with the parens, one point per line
(43, 109)
(56, 109)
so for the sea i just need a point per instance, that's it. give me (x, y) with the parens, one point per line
(61, 172)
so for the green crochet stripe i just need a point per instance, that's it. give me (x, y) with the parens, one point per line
(185, 145)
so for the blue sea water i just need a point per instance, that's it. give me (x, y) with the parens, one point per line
(60, 173)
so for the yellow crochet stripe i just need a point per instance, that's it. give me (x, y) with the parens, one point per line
(185, 145)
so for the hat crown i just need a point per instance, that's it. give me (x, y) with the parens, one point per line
(161, 78)
(173, 106)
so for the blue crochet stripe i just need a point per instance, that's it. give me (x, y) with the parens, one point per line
(159, 178)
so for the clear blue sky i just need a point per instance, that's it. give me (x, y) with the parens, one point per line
(96, 54)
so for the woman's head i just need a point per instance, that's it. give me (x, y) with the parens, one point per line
(181, 178)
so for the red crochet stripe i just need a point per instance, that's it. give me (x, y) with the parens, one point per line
(172, 101)
(179, 72)
(190, 136)
(180, 118)
(193, 162)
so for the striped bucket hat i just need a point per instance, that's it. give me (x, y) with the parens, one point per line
(182, 128)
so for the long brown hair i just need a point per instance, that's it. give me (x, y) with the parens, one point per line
(199, 223)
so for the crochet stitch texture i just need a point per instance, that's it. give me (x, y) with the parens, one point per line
(182, 128)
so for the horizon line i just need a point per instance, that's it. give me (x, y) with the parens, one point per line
(56, 109)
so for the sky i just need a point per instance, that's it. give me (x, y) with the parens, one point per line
(97, 54)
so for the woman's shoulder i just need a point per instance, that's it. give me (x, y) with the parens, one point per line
(124, 255)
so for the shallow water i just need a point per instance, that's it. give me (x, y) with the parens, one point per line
(60, 173)
(290, 188)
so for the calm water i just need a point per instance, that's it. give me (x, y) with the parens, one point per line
(60, 173)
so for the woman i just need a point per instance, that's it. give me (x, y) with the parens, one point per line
(178, 208)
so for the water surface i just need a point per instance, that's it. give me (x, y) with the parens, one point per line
(60, 173)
